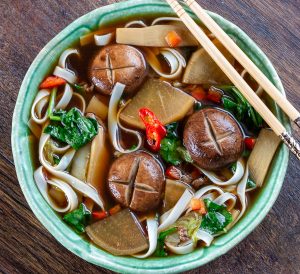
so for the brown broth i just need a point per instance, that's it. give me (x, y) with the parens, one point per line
(80, 66)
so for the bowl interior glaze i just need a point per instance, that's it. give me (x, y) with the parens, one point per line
(124, 11)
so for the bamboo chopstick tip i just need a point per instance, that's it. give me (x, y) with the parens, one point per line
(291, 143)
(297, 122)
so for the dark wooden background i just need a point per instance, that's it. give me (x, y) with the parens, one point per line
(25, 245)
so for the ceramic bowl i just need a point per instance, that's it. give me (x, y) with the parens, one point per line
(42, 65)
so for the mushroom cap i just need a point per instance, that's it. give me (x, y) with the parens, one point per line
(136, 180)
(213, 138)
(117, 63)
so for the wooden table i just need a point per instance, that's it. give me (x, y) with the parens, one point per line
(27, 247)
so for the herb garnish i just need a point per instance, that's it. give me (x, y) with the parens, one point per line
(79, 218)
(216, 219)
(240, 108)
(171, 148)
(160, 250)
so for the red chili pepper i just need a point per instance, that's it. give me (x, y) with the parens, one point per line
(250, 143)
(155, 130)
(215, 95)
(99, 215)
(199, 93)
(52, 82)
(173, 172)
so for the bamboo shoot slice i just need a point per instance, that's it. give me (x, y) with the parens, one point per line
(154, 36)
(173, 192)
(168, 103)
(261, 157)
(202, 69)
(99, 164)
(97, 107)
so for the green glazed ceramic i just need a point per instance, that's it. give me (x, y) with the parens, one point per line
(124, 11)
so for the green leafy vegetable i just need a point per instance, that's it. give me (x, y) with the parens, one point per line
(171, 148)
(169, 152)
(78, 88)
(160, 250)
(185, 155)
(233, 167)
(78, 219)
(52, 101)
(133, 147)
(72, 128)
(56, 159)
(240, 107)
(216, 219)
(172, 130)
(250, 184)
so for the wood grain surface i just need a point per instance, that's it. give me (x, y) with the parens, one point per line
(26, 246)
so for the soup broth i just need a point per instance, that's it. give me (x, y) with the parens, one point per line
(164, 169)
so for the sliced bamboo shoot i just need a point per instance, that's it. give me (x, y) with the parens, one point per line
(80, 162)
(173, 192)
(168, 103)
(261, 157)
(99, 163)
(154, 36)
(97, 107)
(201, 68)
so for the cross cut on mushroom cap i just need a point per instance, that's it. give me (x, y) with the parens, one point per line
(117, 63)
(213, 138)
(136, 180)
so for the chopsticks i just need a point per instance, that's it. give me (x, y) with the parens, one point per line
(233, 75)
(244, 60)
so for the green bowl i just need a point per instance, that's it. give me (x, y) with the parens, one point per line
(42, 64)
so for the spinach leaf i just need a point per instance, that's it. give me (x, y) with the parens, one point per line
(169, 152)
(250, 184)
(72, 128)
(185, 155)
(171, 148)
(240, 108)
(79, 88)
(78, 219)
(216, 219)
(160, 250)
(172, 130)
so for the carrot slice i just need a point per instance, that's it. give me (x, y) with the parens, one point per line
(199, 93)
(199, 205)
(173, 39)
(115, 210)
(52, 82)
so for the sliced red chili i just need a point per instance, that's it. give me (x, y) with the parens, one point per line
(173, 172)
(153, 138)
(99, 215)
(250, 143)
(155, 130)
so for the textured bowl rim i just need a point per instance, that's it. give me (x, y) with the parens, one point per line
(20, 148)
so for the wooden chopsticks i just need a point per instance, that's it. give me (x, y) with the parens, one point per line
(244, 60)
(234, 76)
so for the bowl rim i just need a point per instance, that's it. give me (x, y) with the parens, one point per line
(88, 253)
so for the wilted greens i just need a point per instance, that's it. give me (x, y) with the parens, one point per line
(72, 128)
